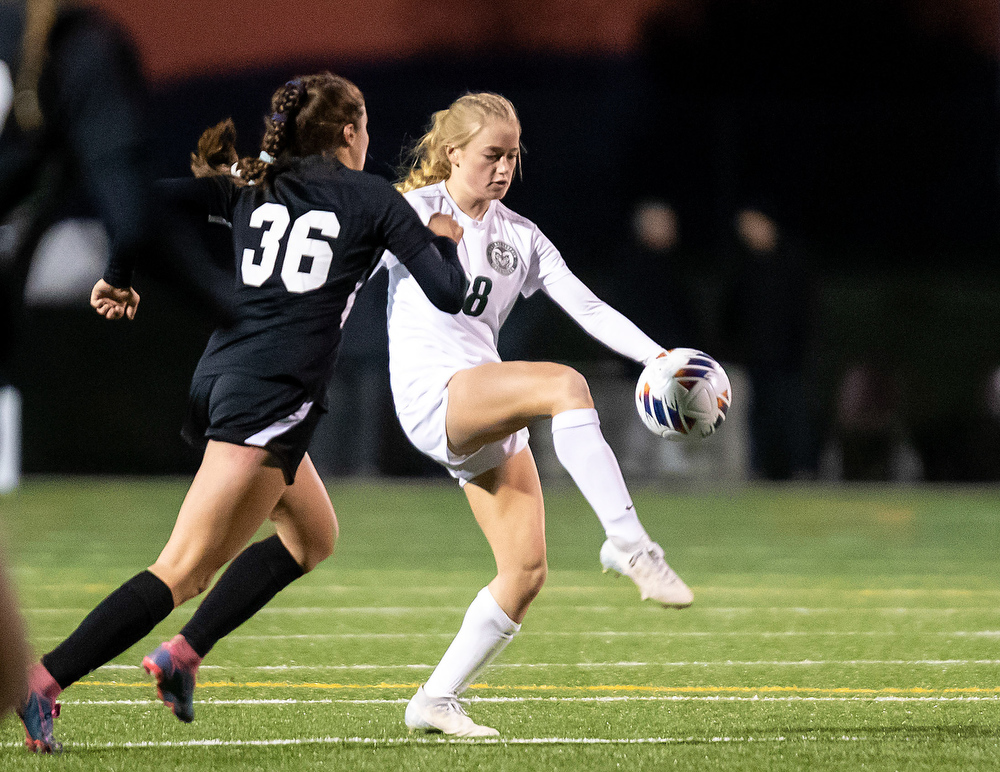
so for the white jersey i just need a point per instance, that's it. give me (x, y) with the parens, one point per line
(504, 255)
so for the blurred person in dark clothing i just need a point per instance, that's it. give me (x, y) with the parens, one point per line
(72, 132)
(660, 283)
(683, 167)
(73, 116)
(767, 325)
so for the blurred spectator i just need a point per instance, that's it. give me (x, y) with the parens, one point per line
(74, 140)
(72, 131)
(679, 173)
(74, 136)
(660, 284)
(963, 443)
(767, 327)
(655, 226)
(870, 439)
(983, 445)
(688, 157)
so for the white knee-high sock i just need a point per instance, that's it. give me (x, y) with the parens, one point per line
(586, 455)
(485, 632)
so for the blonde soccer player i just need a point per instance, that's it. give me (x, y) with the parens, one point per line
(462, 406)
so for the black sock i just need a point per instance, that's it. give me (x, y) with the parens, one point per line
(122, 619)
(252, 579)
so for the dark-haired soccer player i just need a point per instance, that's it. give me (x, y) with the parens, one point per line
(308, 228)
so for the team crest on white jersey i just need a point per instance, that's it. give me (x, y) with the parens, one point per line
(502, 257)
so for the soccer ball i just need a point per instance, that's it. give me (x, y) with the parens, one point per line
(683, 395)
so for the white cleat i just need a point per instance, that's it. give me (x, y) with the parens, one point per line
(644, 565)
(442, 714)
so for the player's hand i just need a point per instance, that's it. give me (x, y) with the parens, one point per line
(112, 302)
(446, 225)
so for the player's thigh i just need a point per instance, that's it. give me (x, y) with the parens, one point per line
(490, 401)
(232, 494)
(304, 517)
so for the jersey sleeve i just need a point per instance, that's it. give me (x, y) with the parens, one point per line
(546, 264)
(400, 227)
(440, 275)
(599, 320)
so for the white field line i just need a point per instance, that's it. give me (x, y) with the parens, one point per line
(601, 665)
(583, 589)
(630, 634)
(306, 610)
(631, 698)
(730, 610)
(609, 634)
(501, 742)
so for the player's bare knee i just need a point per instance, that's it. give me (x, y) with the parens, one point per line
(315, 553)
(319, 545)
(572, 390)
(186, 579)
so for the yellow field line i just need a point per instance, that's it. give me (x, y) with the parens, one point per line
(593, 688)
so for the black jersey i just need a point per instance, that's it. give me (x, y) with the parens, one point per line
(303, 247)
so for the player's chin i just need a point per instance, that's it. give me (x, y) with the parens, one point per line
(499, 189)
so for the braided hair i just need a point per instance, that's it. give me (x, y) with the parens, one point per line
(216, 150)
(308, 117)
(454, 127)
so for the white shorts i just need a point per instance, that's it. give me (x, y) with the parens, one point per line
(423, 421)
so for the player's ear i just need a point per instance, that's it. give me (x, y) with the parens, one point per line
(350, 132)
(452, 154)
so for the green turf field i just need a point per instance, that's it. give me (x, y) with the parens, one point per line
(832, 628)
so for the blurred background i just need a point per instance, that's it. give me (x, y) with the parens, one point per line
(808, 191)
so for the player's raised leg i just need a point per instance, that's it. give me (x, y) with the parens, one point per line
(492, 400)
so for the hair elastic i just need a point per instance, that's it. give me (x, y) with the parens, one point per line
(266, 157)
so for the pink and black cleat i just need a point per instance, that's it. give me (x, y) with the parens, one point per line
(39, 711)
(174, 665)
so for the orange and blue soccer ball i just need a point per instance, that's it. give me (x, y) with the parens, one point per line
(683, 395)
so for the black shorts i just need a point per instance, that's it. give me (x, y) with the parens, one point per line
(277, 415)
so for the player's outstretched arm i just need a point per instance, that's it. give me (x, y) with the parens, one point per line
(601, 321)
